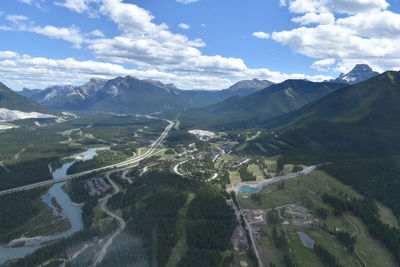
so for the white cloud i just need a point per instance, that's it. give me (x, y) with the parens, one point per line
(184, 26)
(336, 6)
(22, 23)
(36, 3)
(313, 18)
(71, 34)
(261, 35)
(97, 33)
(153, 51)
(16, 18)
(29, 2)
(385, 24)
(186, 1)
(20, 71)
(323, 64)
(282, 2)
(79, 6)
(369, 36)
(151, 45)
(8, 54)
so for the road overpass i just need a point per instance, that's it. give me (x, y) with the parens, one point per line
(124, 163)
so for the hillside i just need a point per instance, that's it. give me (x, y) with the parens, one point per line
(11, 100)
(272, 101)
(361, 118)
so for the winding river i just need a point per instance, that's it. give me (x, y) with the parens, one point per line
(70, 211)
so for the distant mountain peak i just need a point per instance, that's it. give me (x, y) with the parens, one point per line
(359, 73)
(362, 68)
(251, 84)
(169, 86)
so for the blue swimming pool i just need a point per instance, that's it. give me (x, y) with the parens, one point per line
(249, 189)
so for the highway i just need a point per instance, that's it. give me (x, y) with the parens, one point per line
(125, 163)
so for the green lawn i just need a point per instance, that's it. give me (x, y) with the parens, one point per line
(181, 246)
(370, 249)
(234, 177)
(254, 137)
(307, 191)
(387, 216)
(256, 171)
(272, 163)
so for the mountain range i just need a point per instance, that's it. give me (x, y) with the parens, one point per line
(272, 101)
(248, 103)
(360, 118)
(129, 94)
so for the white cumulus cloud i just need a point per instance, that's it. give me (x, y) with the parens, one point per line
(97, 33)
(20, 71)
(336, 6)
(71, 34)
(147, 50)
(79, 6)
(364, 32)
(261, 35)
(184, 26)
(313, 18)
(323, 64)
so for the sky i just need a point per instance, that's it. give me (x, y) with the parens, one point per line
(195, 44)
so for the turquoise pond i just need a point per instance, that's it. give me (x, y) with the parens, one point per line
(249, 189)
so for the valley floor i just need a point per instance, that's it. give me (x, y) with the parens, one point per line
(258, 213)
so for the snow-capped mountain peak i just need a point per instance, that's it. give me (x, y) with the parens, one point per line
(359, 73)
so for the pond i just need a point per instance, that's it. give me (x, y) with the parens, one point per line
(306, 239)
(249, 189)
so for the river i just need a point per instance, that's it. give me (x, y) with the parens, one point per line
(70, 211)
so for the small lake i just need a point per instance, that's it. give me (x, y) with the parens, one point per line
(70, 211)
(249, 189)
(306, 239)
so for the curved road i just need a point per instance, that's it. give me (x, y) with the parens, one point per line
(125, 163)
(121, 222)
(356, 233)
(260, 184)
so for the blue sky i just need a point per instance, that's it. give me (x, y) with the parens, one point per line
(205, 44)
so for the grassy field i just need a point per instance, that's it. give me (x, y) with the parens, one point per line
(387, 216)
(268, 252)
(369, 249)
(307, 191)
(256, 171)
(253, 137)
(287, 168)
(234, 177)
(242, 257)
(271, 163)
(181, 246)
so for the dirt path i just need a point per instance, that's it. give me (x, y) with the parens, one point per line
(121, 222)
(357, 232)
(248, 226)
